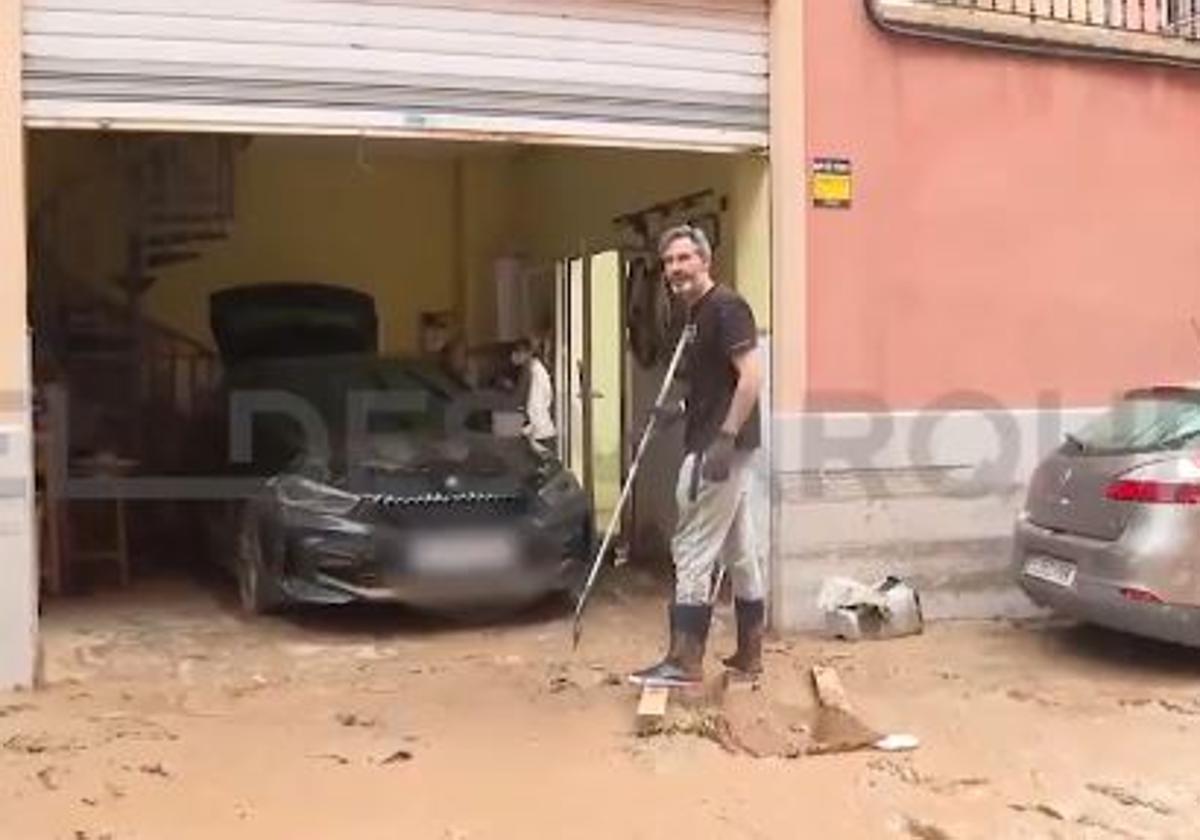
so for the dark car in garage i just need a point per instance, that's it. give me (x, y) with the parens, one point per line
(370, 478)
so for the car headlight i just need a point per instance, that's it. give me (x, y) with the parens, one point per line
(314, 497)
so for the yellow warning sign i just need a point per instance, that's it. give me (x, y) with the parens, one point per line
(831, 182)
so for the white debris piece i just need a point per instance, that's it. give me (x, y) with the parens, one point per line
(855, 611)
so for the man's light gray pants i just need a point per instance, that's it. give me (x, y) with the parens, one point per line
(715, 526)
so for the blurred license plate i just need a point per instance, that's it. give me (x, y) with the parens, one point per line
(1051, 569)
(456, 553)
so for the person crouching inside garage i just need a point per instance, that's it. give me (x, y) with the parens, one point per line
(537, 393)
(721, 433)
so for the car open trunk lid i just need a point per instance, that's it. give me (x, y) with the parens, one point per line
(292, 319)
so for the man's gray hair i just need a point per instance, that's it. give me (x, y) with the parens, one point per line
(693, 234)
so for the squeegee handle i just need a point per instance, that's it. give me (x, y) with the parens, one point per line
(685, 339)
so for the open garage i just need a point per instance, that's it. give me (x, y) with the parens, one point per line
(475, 210)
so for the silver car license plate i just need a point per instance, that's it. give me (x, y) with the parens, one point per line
(1050, 569)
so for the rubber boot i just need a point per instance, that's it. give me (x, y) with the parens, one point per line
(684, 662)
(747, 660)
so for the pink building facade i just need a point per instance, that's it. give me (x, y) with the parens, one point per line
(1021, 244)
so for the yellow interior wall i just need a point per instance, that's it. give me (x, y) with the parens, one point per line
(372, 218)
(74, 189)
(417, 225)
(488, 227)
(57, 159)
(568, 197)
(750, 206)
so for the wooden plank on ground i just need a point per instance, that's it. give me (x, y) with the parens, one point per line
(830, 691)
(837, 728)
(652, 707)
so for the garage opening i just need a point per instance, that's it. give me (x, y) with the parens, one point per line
(432, 258)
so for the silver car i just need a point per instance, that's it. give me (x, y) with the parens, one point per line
(1110, 533)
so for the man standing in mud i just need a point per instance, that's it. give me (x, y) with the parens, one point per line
(721, 433)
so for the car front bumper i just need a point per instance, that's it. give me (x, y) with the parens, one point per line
(336, 560)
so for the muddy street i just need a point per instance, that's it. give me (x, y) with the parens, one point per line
(167, 715)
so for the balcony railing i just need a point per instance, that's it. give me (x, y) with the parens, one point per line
(1172, 18)
(1154, 29)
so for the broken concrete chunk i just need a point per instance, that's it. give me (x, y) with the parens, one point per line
(853, 611)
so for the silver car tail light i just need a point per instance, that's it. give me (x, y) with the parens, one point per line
(1173, 482)
(1140, 595)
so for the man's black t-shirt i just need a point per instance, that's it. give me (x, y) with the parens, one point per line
(724, 328)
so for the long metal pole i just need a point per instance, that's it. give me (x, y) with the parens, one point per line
(685, 338)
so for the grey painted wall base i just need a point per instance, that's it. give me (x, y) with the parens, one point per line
(954, 581)
(939, 521)
(954, 551)
(18, 561)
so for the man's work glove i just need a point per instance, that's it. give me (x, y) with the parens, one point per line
(718, 458)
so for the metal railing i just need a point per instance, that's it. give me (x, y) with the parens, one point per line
(1179, 19)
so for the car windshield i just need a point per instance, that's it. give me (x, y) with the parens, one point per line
(396, 395)
(1144, 421)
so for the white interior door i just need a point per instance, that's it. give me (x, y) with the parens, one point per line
(590, 375)
(605, 357)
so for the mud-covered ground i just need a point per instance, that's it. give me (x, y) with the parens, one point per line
(167, 715)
